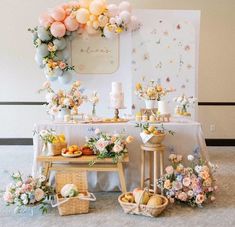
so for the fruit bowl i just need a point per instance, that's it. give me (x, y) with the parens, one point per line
(75, 155)
(156, 139)
(72, 151)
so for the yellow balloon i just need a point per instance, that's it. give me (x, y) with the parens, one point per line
(82, 15)
(97, 7)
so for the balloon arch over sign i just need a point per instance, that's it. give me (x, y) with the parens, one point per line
(58, 26)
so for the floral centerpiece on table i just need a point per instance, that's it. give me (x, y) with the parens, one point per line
(191, 185)
(62, 100)
(28, 192)
(151, 92)
(183, 103)
(106, 145)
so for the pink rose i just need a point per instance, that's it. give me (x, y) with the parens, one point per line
(101, 144)
(186, 181)
(39, 194)
(177, 185)
(62, 65)
(169, 170)
(117, 148)
(182, 196)
(8, 197)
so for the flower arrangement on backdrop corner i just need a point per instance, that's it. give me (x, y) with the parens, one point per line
(151, 90)
(107, 145)
(191, 185)
(28, 192)
(183, 103)
(58, 26)
(57, 101)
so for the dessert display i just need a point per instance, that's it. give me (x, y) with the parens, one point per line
(71, 151)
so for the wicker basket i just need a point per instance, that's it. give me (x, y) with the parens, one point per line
(156, 139)
(73, 205)
(55, 149)
(140, 209)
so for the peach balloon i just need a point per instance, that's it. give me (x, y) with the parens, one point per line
(71, 24)
(97, 7)
(82, 16)
(74, 4)
(85, 3)
(58, 29)
(58, 14)
(90, 30)
(45, 20)
(64, 5)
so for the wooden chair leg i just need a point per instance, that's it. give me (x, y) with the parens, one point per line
(142, 175)
(46, 169)
(155, 171)
(121, 176)
(161, 163)
(150, 170)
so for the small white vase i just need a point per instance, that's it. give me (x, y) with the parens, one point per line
(62, 113)
(163, 107)
(150, 104)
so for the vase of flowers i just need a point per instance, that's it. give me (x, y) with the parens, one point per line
(191, 185)
(94, 99)
(28, 192)
(107, 145)
(61, 103)
(151, 92)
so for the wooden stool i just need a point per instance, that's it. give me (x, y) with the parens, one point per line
(159, 148)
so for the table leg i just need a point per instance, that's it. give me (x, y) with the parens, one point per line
(46, 169)
(142, 175)
(155, 171)
(150, 169)
(161, 165)
(121, 176)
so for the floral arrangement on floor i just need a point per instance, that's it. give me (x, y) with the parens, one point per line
(58, 101)
(28, 192)
(184, 103)
(106, 145)
(58, 26)
(191, 185)
(151, 90)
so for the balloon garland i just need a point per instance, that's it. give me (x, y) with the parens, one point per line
(57, 27)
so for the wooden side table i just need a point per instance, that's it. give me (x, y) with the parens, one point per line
(60, 163)
(156, 164)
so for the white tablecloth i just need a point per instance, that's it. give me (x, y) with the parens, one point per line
(188, 138)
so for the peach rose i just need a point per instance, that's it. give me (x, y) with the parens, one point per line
(167, 184)
(182, 196)
(200, 199)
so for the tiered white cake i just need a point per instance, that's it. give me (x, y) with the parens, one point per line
(116, 96)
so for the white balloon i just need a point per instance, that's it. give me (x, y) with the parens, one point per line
(112, 20)
(118, 20)
(96, 7)
(112, 10)
(125, 16)
(108, 34)
(125, 6)
(82, 15)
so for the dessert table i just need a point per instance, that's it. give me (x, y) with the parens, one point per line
(188, 138)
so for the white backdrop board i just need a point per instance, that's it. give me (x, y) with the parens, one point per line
(165, 49)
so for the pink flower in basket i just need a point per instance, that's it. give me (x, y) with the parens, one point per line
(169, 170)
(186, 181)
(39, 194)
(117, 148)
(200, 199)
(177, 185)
(182, 196)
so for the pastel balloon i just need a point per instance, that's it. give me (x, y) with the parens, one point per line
(42, 51)
(112, 10)
(43, 34)
(60, 43)
(50, 77)
(85, 3)
(45, 20)
(125, 6)
(66, 54)
(118, 20)
(65, 78)
(108, 34)
(134, 23)
(39, 60)
(64, 5)
(71, 24)
(125, 16)
(58, 14)
(57, 72)
(74, 4)
(58, 29)
(90, 30)
(82, 16)
(96, 7)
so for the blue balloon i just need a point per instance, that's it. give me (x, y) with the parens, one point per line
(66, 55)
(42, 50)
(43, 34)
(58, 72)
(39, 60)
(51, 78)
(65, 78)
(60, 43)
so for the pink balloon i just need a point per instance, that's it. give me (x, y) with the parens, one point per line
(74, 4)
(58, 14)
(45, 20)
(71, 24)
(58, 29)
(64, 5)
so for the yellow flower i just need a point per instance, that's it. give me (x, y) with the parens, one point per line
(159, 88)
(138, 86)
(119, 30)
(55, 140)
(167, 184)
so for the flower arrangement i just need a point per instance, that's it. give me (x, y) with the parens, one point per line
(109, 146)
(49, 136)
(94, 99)
(28, 192)
(63, 100)
(192, 185)
(58, 26)
(184, 103)
(148, 129)
(151, 91)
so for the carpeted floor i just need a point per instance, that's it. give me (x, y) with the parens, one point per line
(106, 212)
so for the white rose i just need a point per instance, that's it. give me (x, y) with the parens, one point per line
(117, 148)
(97, 131)
(69, 190)
(25, 201)
(23, 196)
(190, 157)
(198, 168)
